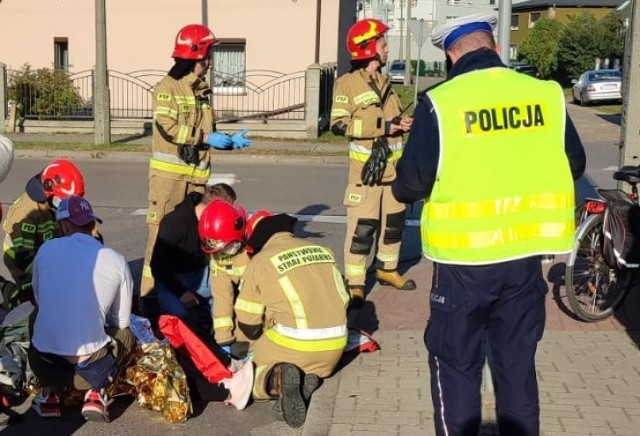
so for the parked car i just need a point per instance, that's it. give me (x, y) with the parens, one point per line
(597, 85)
(529, 70)
(396, 72)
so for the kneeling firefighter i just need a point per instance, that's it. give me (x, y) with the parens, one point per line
(292, 306)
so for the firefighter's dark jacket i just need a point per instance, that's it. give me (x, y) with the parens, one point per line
(416, 171)
(177, 249)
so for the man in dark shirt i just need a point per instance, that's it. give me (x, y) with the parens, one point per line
(179, 266)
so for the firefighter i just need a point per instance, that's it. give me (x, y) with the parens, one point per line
(228, 260)
(367, 111)
(31, 221)
(494, 156)
(292, 306)
(183, 131)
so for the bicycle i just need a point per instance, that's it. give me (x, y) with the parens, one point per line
(595, 288)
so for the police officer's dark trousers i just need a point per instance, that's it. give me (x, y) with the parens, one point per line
(506, 303)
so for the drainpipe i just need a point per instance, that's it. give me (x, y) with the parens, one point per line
(316, 58)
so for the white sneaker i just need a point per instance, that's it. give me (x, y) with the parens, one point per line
(240, 386)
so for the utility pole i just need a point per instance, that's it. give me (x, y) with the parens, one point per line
(205, 12)
(401, 27)
(407, 63)
(101, 104)
(630, 123)
(504, 29)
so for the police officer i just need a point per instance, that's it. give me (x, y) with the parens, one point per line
(183, 132)
(494, 155)
(367, 111)
(292, 306)
(31, 221)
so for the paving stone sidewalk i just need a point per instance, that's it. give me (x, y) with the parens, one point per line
(588, 373)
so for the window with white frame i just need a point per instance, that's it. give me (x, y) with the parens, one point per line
(515, 21)
(229, 65)
(513, 51)
(533, 17)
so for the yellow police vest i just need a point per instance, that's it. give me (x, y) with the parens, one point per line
(504, 188)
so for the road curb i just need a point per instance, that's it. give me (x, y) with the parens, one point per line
(320, 412)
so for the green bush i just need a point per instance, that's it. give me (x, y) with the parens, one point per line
(44, 92)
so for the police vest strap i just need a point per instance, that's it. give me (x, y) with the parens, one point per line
(361, 153)
(173, 164)
(332, 344)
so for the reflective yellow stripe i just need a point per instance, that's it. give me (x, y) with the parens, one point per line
(179, 169)
(355, 270)
(249, 306)
(299, 345)
(183, 134)
(371, 33)
(219, 323)
(357, 128)
(8, 251)
(166, 111)
(189, 99)
(498, 237)
(146, 272)
(338, 113)
(360, 157)
(502, 206)
(259, 370)
(339, 280)
(24, 243)
(366, 98)
(387, 257)
(295, 302)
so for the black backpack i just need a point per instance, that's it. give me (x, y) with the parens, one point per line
(621, 229)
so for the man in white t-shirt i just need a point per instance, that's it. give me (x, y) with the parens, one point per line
(83, 292)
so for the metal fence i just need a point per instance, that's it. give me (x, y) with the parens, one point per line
(57, 95)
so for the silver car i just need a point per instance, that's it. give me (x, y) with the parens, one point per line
(597, 85)
(397, 72)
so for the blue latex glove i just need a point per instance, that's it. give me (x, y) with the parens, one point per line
(239, 141)
(226, 349)
(219, 141)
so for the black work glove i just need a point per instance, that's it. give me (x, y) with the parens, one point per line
(239, 349)
(374, 167)
(189, 154)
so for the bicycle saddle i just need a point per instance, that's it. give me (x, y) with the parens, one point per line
(630, 174)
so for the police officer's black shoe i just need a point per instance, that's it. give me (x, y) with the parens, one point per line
(357, 296)
(393, 278)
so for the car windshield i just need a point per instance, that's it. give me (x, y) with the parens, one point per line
(397, 67)
(600, 76)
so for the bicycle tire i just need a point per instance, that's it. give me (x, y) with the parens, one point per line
(594, 290)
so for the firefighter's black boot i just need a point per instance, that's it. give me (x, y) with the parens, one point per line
(357, 296)
(285, 382)
(393, 278)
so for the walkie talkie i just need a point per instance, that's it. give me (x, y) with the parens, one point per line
(396, 119)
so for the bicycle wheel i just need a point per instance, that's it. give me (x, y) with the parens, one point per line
(593, 289)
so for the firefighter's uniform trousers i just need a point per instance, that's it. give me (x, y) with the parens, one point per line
(182, 119)
(509, 298)
(294, 290)
(364, 102)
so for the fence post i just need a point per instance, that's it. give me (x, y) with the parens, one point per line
(3, 97)
(312, 100)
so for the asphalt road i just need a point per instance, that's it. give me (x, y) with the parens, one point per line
(308, 188)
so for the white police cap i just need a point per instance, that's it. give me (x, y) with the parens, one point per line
(445, 35)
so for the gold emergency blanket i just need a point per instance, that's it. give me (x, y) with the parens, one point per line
(160, 382)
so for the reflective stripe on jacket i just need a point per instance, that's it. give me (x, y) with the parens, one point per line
(504, 188)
